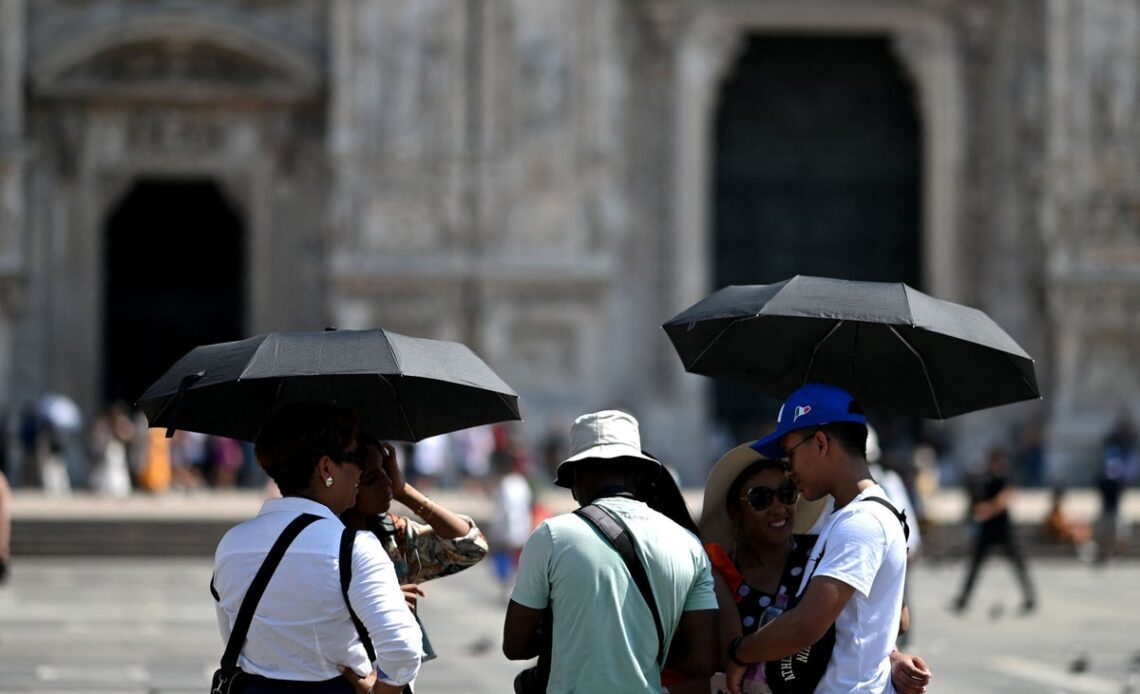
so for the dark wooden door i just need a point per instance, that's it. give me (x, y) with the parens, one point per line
(175, 278)
(817, 173)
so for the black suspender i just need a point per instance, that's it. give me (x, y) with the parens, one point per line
(257, 587)
(346, 540)
(615, 530)
(901, 515)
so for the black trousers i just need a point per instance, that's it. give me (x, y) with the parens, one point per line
(987, 540)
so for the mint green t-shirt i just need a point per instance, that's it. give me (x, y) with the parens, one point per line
(604, 639)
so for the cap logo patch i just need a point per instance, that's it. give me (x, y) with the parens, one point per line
(801, 410)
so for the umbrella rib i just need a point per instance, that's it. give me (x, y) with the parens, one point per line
(815, 350)
(713, 341)
(925, 372)
(400, 405)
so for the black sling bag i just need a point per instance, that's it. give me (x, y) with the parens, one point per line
(534, 680)
(800, 672)
(621, 539)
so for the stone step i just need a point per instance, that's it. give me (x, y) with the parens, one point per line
(194, 538)
(192, 524)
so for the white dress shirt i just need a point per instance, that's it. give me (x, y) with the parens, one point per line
(301, 629)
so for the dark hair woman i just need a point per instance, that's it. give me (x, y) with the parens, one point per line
(302, 636)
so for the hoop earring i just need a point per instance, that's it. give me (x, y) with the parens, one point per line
(328, 481)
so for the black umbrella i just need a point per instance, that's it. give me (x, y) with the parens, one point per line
(403, 388)
(891, 346)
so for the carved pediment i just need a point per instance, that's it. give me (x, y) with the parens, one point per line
(175, 62)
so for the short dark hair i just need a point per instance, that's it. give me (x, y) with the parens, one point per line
(293, 440)
(851, 436)
(732, 496)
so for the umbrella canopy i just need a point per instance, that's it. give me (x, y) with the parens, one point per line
(889, 345)
(402, 388)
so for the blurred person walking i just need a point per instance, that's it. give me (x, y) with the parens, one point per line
(154, 475)
(315, 627)
(431, 461)
(1117, 464)
(1058, 526)
(512, 515)
(989, 511)
(111, 435)
(5, 527)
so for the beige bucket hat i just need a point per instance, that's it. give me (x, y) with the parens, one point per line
(604, 435)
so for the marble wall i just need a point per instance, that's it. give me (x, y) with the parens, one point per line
(532, 177)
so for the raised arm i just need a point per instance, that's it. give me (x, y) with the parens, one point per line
(445, 523)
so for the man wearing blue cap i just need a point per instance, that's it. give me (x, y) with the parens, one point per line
(855, 578)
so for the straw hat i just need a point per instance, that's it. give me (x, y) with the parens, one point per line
(716, 525)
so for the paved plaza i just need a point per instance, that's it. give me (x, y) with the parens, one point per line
(147, 626)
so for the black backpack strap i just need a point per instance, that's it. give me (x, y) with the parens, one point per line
(346, 540)
(615, 530)
(257, 587)
(901, 515)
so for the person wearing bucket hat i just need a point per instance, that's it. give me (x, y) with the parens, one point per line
(853, 581)
(605, 638)
(758, 532)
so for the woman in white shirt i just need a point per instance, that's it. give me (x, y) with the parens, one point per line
(302, 637)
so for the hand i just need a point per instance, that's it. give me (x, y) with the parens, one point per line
(909, 673)
(392, 469)
(734, 677)
(412, 593)
(360, 685)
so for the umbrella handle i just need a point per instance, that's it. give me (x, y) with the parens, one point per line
(187, 381)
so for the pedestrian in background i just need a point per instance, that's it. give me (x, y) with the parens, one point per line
(5, 527)
(512, 504)
(1117, 465)
(989, 510)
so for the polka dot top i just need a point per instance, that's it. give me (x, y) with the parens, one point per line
(751, 601)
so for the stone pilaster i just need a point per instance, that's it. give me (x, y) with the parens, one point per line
(1091, 213)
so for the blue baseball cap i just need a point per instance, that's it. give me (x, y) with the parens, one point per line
(812, 405)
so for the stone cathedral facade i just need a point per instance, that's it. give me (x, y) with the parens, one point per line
(542, 180)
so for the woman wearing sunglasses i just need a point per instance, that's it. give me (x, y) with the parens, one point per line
(749, 528)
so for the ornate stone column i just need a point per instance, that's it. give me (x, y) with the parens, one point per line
(703, 48)
(1090, 214)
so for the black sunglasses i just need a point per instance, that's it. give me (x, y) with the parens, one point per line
(356, 457)
(760, 498)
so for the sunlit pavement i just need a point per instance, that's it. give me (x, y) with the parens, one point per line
(136, 625)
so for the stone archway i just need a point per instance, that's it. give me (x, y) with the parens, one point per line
(174, 277)
(705, 39)
(817, 171)
(174, 99)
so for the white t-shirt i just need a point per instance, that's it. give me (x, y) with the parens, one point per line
(511, 524)
(864, 547)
